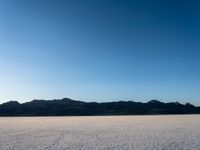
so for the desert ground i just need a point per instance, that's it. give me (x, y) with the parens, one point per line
(164, 132)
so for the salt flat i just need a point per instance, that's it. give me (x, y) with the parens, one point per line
(181, 132)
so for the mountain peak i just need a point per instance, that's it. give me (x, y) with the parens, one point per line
(154, 101)
(11, 103)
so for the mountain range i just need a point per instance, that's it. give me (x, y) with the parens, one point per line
(69, 107)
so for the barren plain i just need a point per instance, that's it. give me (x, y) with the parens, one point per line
(164, 132)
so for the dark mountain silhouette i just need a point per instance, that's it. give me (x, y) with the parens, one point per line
(69, 107)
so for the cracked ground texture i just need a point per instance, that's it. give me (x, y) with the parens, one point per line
(165, 132)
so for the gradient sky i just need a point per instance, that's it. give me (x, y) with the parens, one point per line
(100, 50)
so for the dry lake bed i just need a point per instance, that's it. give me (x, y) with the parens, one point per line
(166, 132)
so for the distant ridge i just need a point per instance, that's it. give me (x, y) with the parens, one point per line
(69, 107)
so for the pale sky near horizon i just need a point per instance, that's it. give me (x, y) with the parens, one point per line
(100, 50)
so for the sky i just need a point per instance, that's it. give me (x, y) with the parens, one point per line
(100, 50)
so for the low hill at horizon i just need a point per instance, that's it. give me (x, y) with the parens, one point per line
(69, 107)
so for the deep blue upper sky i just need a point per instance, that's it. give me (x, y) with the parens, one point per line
(100, 50)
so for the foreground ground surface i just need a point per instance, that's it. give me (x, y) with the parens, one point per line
(103, 132)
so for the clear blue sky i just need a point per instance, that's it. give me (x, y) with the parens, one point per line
(100, 50)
